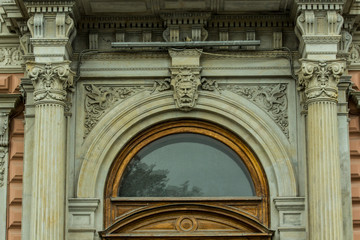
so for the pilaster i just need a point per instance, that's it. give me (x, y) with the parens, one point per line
(50, 80)
(51, 30)
(319, 80)
(344, 87)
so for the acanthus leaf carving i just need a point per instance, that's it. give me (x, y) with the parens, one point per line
(50, 80)
(319, 79)
(99, 99)
(272, 98)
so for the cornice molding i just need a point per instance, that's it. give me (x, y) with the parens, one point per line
(320, 5)
(49, 6)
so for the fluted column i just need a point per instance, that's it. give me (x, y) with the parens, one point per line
(48, 188)
(319, 80)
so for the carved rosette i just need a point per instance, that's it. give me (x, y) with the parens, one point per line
(319, 79)
(51, 80)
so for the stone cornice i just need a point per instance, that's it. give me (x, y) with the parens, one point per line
(49, 6)
(138, 22)
(320, 5)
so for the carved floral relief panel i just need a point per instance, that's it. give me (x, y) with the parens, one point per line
(100, 98)
(10, 56)
(271, 98)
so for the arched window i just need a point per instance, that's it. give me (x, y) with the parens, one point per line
(186, 178)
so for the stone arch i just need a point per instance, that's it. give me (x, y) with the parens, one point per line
(143, 110)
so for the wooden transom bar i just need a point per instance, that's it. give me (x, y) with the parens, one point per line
(186, 217)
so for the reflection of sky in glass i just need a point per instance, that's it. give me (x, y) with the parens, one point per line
(204, 162)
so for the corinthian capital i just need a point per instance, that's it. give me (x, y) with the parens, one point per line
(51, 80)
(319, 79)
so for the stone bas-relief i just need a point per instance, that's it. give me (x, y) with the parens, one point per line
(272, 98)
(230, 75)
(185, 86)
(10, 56)
(98, 99)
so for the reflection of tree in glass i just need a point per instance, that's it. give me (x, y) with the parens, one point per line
(141, 180)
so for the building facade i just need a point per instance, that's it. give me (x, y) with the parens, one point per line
(179, 119)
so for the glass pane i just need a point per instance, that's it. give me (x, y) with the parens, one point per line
(186, 165)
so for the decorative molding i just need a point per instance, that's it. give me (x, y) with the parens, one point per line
(10, 57)
(238, 68)
(48, 42)
(319, 79)
(50, 80)
(246, 21)
(305, 22)
(25, 44)
(82, 214)
(318, 23)
(120, 22)
(34, 7)
(4, 142)
(292, 216)
(138, 55)
(321, 39)
(172, 18)
(354, 53)
(270, 97)
(98, 99)
(125, 56)
(93, 40)
(250, 35)
(209, 85)
(336, 5)
(185, 26)
(125, 69)
(322, 52)
(277, 40)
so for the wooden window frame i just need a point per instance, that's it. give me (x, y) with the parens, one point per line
(118, 210)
